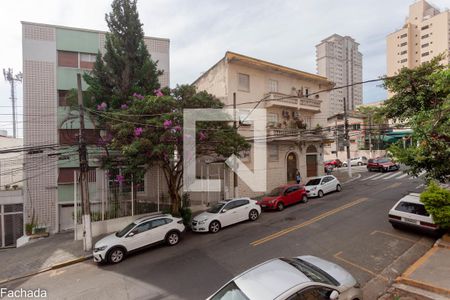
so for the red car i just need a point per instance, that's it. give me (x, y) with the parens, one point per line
(382, 164)
(283, 196)
(335, 163)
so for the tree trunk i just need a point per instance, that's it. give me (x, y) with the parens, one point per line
(172, 181)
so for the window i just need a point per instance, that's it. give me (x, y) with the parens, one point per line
(425, 27)
(403, 60)
(306, 92)
(273, 85)
(412, 208)
(67, 59)
(273, 152)
(272, 119)
(316, 293)
(404, 35)
(158, 222)
(425, 54)
(425, 45)
(242, 202)
(244, 82)
(167, 220)
(403, 44)
(230, 291)
(311, 271)
(425, 36)
(143, 227)
(87, 60)
(62, 98)
(403, 52)
(230, 205)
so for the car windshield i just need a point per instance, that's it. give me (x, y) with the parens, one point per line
(311, 271)
(124, 231)
(383, 160)
(230, 292)
(315, 181)
(216, 208)
(275, 192)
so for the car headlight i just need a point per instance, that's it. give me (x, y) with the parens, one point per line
(202, 222)
(273, 201)
(100, 248)
(314, 188)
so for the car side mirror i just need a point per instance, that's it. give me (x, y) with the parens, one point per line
(334, 295)
(224, 210)
(130, 234)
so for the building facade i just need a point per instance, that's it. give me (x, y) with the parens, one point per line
(11, 183)
(425, 34)
(339, 60)
(52, 57)
(295, 119)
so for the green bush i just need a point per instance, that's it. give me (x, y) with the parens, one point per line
(437, 203)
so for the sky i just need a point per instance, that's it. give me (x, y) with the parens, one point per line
(201, 31)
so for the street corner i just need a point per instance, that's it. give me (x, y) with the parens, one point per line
(429, 274)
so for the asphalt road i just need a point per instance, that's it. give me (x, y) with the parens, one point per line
(349, 228)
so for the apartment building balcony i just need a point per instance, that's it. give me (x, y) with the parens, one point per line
(299, 135)
(292, 101)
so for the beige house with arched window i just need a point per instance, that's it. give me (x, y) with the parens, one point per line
(295, 103)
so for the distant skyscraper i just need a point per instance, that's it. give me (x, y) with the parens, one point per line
(426, 33)
(339, 60)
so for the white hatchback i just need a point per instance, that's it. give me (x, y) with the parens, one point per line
(318, 186)
(226, 213)
(409, 212)
(141, 233)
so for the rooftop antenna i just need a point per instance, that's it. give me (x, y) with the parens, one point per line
(9, 76)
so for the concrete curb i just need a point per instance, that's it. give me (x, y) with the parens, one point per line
(404, 278)
(353, 179)
(53, 267)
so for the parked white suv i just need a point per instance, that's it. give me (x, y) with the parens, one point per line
(226, 213)
(141, 233)
(356, 161)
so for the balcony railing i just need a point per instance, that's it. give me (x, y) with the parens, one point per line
(299, 102)
(298, 134)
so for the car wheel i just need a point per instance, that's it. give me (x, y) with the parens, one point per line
(359, 163)
(320, 194)
(280, 206)
(304, 199)
(381, 170)
(253, 215)
(338, 188)
(369, 169)
(116, 255)
(172, 238)
(214, 227)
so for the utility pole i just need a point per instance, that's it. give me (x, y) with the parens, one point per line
(336, 136)
(235, 178)
(84, 169)
(370, 135)
(9, 76)
(347, 139)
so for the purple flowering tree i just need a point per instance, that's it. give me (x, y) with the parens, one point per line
(150, 131)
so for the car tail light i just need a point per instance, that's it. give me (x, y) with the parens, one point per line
(428, 224)
(395, 217)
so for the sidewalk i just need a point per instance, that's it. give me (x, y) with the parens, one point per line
(41, 255)
(427, 278)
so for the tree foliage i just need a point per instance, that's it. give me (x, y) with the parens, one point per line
(421, 101)
(437, 203)
(150, 131)
(126, 66)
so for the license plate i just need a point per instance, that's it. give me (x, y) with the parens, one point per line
(410, 220)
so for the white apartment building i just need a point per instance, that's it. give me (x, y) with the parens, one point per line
(52, 57)
(339, 60)
(295, 118)
(425, 34)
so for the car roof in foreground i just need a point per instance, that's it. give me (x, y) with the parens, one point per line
(270, 279)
